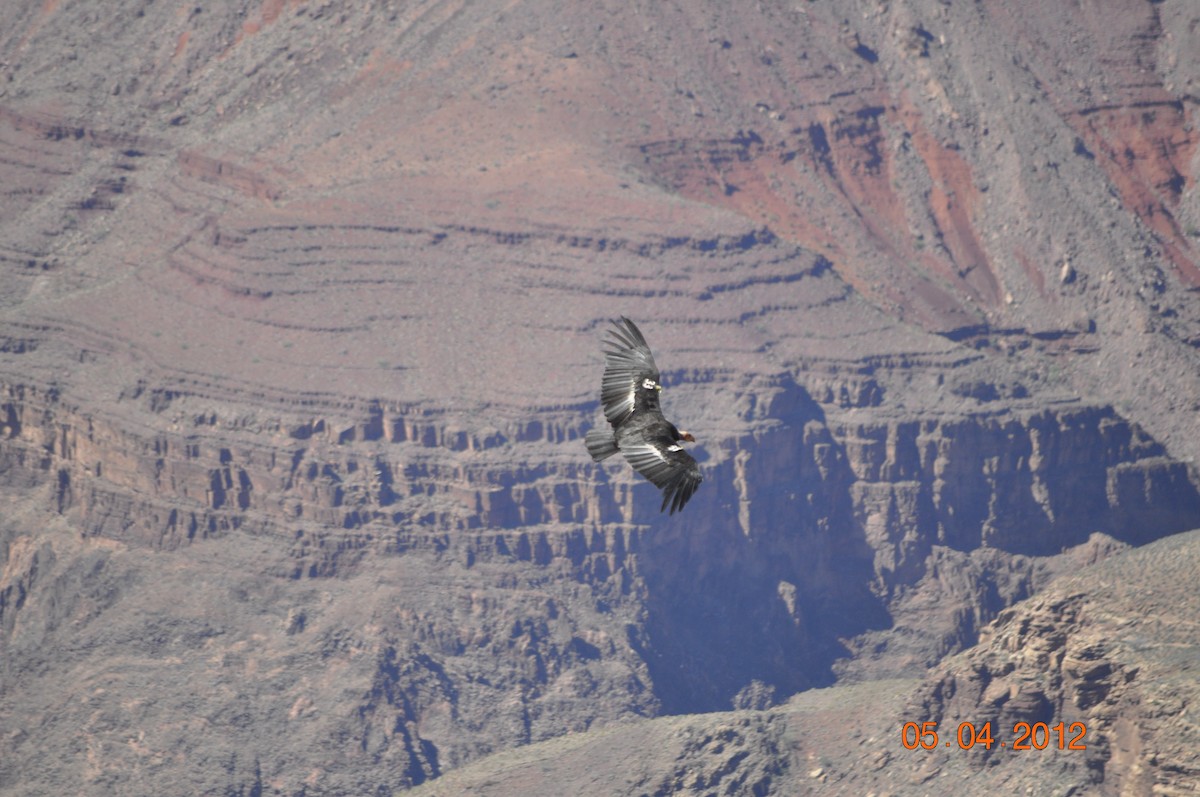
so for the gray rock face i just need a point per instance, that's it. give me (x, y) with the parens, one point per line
(1082, 689)
(300, 316)
(1094, 652)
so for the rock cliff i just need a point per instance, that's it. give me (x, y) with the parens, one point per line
(513, 590)
(1095, 652)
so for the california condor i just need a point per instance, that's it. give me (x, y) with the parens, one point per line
(629, 392)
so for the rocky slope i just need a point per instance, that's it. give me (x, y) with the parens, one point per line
(300, 313)
(1112, 653)
(1101, 651)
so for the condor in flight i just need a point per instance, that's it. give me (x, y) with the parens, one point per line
(651, 443)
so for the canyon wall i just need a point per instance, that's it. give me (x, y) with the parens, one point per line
(300, 321)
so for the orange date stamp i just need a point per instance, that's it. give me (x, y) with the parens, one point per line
(1025, 736)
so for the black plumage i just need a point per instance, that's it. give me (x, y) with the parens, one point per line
(629, 394)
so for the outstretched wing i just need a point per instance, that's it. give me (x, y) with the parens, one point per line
(668, 467)
(627, 365)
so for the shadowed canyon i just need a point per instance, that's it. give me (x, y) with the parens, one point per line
(301, 310)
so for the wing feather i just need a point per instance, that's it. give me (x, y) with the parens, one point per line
(627, 364)
(669, 468)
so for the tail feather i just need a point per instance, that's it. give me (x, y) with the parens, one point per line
(601, 443)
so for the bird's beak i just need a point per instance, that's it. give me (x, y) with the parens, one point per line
(658, 387)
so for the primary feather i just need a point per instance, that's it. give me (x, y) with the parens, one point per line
(630, 381)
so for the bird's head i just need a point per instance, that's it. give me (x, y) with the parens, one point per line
(650, 384)
(686, 435)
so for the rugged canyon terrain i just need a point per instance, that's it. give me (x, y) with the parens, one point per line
(301, 306)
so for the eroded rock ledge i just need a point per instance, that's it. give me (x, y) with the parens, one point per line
(850, 515)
